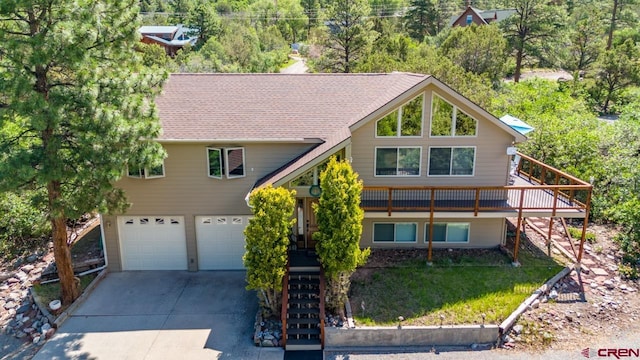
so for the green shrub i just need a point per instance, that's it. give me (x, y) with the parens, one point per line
(23, 226)
(577, 234)
(628, 271)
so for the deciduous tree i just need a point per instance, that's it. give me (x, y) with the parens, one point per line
(267, 236)
(339, 217)
(81, 104)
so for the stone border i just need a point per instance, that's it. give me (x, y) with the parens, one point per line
(56, 321)
(508, 323)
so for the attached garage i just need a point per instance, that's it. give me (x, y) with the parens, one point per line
(220, 242)
(152, 242)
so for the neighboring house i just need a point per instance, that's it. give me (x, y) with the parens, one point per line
(436, 167)
(171, 38)
(472, 15)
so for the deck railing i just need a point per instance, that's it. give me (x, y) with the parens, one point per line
(548, 189)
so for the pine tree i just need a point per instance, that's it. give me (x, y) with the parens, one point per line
(76, 108)
(349, 35)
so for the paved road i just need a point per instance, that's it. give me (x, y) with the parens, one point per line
(299, 67)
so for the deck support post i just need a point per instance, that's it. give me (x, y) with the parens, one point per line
(585, 223)
(548, 242)
(431, 227)
(517, 242)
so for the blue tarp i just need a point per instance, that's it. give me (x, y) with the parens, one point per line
(517, 124)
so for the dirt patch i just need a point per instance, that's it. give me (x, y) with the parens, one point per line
(583, 308)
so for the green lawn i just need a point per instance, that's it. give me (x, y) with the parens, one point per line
(460, 287)
(51, 291)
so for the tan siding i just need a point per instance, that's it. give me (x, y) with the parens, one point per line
(483, 233)
(187, 191)
(491, 142)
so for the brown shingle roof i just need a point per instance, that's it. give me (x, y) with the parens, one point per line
(272, 106)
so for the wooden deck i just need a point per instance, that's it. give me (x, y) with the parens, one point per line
(537, 188)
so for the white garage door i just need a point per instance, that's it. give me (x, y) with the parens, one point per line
(152, 242)
(220, 242)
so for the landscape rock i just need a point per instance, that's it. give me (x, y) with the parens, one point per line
(32, 258)
(609, 284)
(20, 275)
(553, 295)
(4, 275)
(517, 329)
(23, 308)
(27, 268)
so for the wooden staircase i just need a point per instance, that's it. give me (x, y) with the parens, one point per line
(303, 305)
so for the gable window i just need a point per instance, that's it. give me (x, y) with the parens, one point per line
(398, 161)
(226, 161)
(404, 121)
(469, 19)
(448, 232)
(146, 173)
(395, 232)
(449, 120)
(451, 161)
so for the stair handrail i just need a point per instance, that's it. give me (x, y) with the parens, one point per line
(285, 304)
(322, 286)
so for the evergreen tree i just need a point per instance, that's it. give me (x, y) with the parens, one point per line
(267, 236)
(478, 49)
(535, 26)
(77, 107)
(339, 217)
(421, 19)
(349, 35)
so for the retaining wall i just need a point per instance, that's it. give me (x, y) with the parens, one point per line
(410, 336)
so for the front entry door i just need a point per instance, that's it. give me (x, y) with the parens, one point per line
(311, 226)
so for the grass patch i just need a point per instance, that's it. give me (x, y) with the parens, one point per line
(460, 288)
(51, 291)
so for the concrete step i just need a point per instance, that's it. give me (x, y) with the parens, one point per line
(303, 344)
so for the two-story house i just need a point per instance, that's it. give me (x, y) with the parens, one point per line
(437, 168)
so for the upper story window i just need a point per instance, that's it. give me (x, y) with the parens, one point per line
(146, 173)
(226, 161)
(404, 121)
(449, 120)
(398, 161)
(469, 19)
(451, 161)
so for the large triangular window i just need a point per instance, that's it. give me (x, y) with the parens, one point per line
(448, 120)
(403, 121)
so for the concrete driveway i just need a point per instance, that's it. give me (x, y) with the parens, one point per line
(162, 315)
